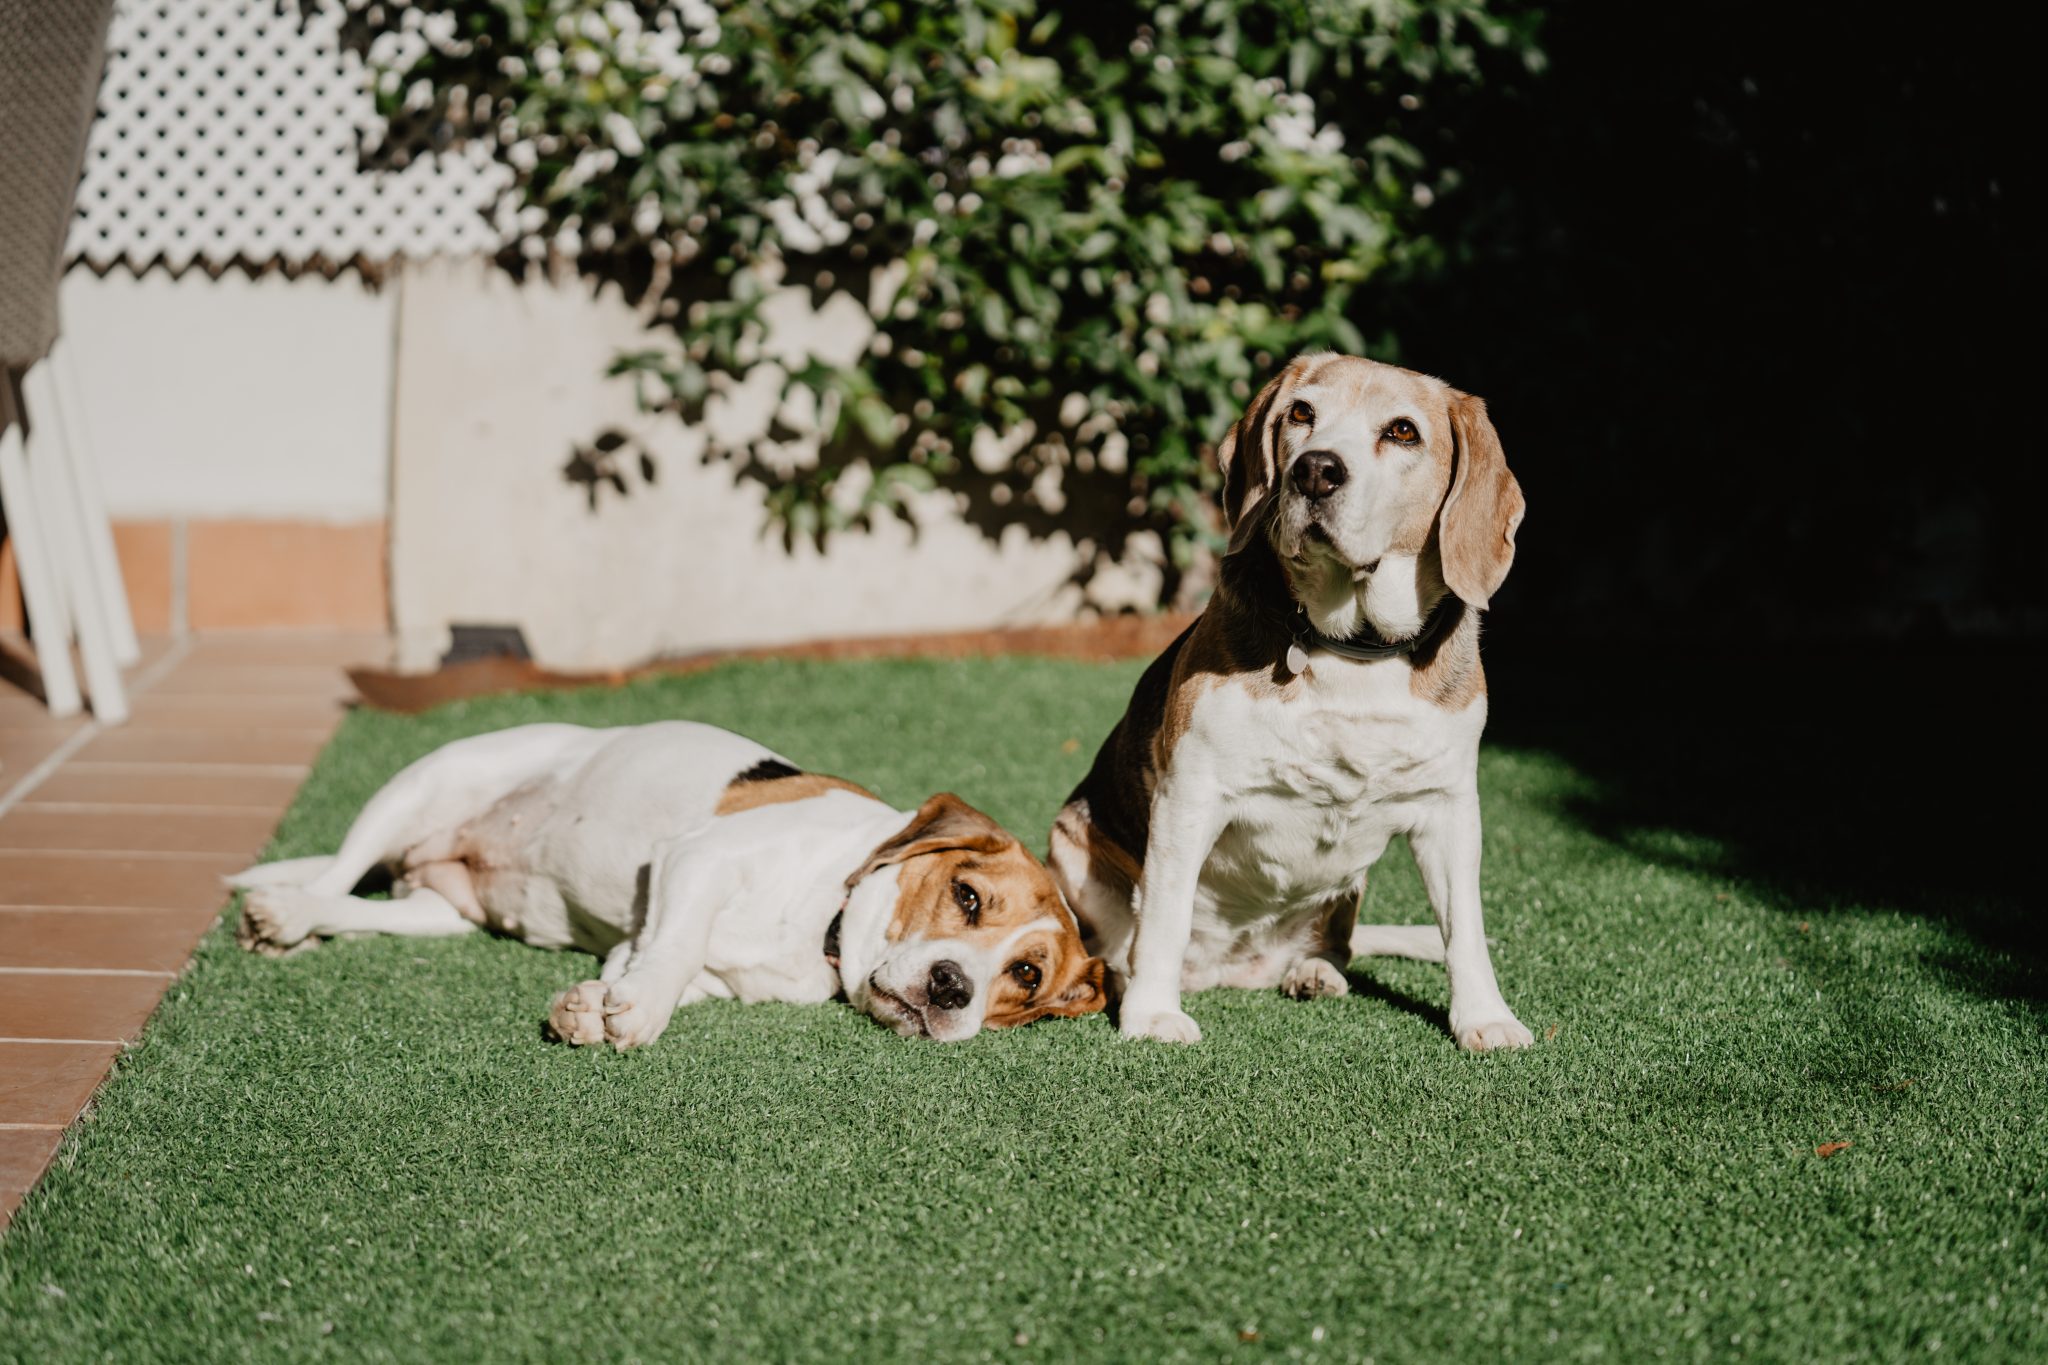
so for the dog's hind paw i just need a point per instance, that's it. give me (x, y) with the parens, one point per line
(272, 922)
(577, 1016)
(1313, 978)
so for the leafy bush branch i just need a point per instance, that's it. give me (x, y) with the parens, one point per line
(1089, 228)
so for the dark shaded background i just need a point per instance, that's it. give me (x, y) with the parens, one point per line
(1752, 292)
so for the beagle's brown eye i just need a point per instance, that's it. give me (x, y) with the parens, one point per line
(969, 901)
(1301, 414)
(1402, 430)
(1025, 974)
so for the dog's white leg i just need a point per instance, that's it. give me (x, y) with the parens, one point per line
(1447, 850)
(1185, 822)
(277, 919)
(439, 793)
(687, 887)
(284, 872)
(1423, 942)
(393, 820)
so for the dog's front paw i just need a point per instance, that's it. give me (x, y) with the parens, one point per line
(635, 1013)
(1313, 978)
(1167, 1026)
(577, 1016)
(1494, 1034)
(274, 921)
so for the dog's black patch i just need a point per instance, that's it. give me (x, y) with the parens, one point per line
(767, 770)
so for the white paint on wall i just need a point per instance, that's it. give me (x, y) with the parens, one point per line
(234, 397)
(500, 381)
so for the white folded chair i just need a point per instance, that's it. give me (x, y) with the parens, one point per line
(50, 59)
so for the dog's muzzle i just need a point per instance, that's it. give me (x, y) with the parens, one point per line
(1316, 474)
(948, 988)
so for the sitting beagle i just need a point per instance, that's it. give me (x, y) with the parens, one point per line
(1329, 698)
(698, 864)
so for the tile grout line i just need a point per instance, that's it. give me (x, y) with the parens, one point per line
(162, 856)
(31, 909)
(141, 854)
(144, 680)
(70, 1042)
(133, 808)
(299, 770)
(84, 971)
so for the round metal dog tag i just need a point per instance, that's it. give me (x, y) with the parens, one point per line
(1297, 659)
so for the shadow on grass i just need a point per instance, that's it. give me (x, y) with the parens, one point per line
(1368, 987)
(1824, 777)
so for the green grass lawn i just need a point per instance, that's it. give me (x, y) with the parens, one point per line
(367, 1152)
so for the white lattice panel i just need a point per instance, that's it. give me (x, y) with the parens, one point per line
(228, 131)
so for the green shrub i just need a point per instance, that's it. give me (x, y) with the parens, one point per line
(1096, 222)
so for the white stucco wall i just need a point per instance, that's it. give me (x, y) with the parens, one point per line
(498, 384)
(449, 401)
(234, 397)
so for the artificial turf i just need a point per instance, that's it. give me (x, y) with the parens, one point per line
(367, 1152)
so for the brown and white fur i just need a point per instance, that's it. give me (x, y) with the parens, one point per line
(1224, 834)
(697, 864)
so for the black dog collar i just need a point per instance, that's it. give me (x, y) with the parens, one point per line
(1367, 644)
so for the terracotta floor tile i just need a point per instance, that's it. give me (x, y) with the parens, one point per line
(215, 751)
(33, 827)
(126, 784)
(215, 711)
(22, 748)
(153, 647)
(68, 1005)
(292, 680)
(335, 649)
(151, 744)
(99, 879)
(24, 1153)
(21, 710)
(130, 940)
(50, 1082)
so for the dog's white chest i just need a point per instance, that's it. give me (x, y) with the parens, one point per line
(1317, 778)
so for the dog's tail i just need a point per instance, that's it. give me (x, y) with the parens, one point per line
(1420, 941)
(289, 872)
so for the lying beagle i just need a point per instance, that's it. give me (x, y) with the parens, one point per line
(698, 864)
(1329, 698)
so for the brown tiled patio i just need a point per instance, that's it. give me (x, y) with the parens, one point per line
(113, 843)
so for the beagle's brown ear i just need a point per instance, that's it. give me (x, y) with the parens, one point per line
(1085, 995)
(1249, 460)
(943, 823)
(1476, 527)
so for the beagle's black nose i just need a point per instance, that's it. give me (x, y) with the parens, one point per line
(1317, 474)
(949, 988)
